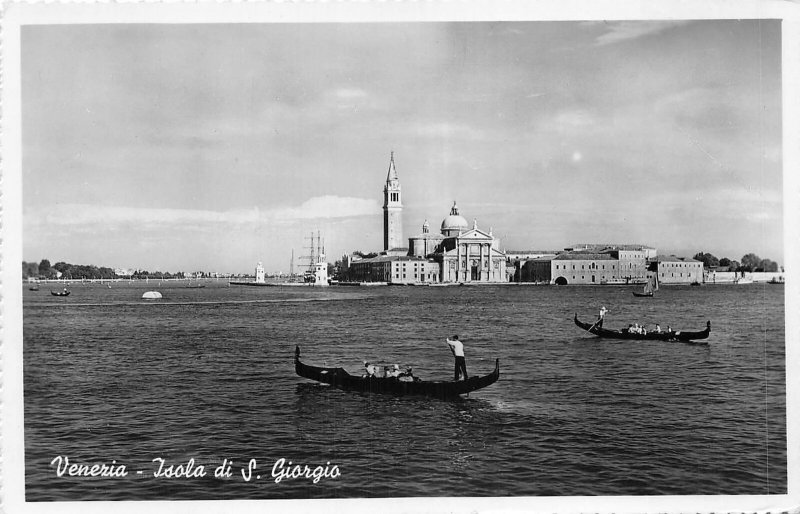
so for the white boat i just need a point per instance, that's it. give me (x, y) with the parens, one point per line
(743, 280)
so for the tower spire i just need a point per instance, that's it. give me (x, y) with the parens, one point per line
(392, 175)
(392, 209)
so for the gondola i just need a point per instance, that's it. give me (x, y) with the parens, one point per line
(63, 293)
(682, 335)
(341, 379)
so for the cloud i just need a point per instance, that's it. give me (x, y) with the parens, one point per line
(732, 204)
(345, 98)
(348, 93)
(568, 122)
(628, 30)
(446, 130)
(330, 207)
(85, 216)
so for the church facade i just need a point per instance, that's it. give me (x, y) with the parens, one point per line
(457, 254)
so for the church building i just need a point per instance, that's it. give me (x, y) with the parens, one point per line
(469, 255)
(458, 254)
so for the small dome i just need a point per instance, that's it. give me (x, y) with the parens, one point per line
(454, 223)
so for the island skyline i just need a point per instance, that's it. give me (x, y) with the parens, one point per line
(219, 146)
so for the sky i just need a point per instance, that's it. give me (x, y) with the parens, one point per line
(215, 146)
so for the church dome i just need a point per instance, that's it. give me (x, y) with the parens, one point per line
(454, 223)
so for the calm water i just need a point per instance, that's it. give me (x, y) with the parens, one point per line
(208, 374)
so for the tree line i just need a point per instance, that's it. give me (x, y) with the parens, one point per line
(44, 270)
(749, 262)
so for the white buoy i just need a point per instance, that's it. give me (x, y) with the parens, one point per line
(151, 295)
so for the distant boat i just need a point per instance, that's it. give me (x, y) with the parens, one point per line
(195, 286)
(151, 295)
(776, 281)
(742, 281)
(33, 288)
(60, 293)
(649, 288)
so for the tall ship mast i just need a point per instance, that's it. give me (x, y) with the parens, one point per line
(317, 271)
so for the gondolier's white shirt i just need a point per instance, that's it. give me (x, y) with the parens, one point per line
(458, 348)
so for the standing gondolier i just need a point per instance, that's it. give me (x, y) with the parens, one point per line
(600, 319)
(457, 347)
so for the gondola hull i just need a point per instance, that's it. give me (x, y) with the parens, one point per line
(640, 295)
(341, 379)
(65, 293)
(682, 336)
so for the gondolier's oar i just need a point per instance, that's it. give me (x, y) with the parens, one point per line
(593, 325)
(590, 328)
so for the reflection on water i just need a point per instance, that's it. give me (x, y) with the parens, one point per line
(207, 374)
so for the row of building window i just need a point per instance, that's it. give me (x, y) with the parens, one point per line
(591, 266)
(416, 276)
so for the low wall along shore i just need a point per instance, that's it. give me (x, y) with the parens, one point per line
(729, 277)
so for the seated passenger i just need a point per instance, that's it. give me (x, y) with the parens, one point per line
(371, 369)
(406, 376)
(392, 371)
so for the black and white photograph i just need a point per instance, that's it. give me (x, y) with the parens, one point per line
(405, 257)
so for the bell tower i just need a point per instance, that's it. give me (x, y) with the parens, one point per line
(392, 210)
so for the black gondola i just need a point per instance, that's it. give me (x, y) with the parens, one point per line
(682, 335)
(63, 293)
(341, 379)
